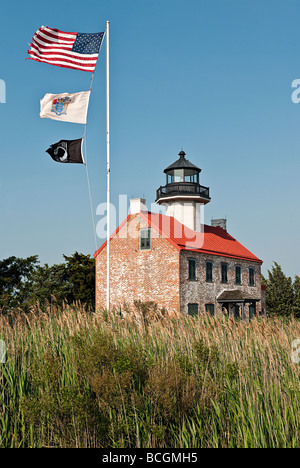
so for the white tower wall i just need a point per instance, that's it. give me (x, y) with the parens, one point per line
(187, 213)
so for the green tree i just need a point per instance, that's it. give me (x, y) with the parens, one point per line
(15, 275)
(280, 292)
(81, 278)
(24, 283)
(49, 283)
(71, 281)
(297, 296)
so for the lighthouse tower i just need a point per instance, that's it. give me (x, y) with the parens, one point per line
(183, 195)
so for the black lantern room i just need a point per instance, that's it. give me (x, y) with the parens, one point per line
(182, 181)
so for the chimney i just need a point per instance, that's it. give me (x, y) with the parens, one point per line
(219, 223)
(137, 205)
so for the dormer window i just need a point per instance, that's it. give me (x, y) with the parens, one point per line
(145, 239)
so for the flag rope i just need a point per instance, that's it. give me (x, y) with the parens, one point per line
(87, 176)
(89, 189)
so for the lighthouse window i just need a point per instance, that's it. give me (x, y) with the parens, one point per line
(145, 239)
(178, 175)
(191, 176)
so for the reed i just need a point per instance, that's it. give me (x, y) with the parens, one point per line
(75, 378)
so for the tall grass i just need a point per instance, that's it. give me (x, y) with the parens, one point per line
(79, 379)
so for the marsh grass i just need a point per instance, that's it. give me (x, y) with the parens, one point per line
(74, 378)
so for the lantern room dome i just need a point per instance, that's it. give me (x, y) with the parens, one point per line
(182, 163)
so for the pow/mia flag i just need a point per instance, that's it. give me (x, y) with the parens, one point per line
(67, 151)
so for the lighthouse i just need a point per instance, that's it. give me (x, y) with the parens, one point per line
(183, 196)
(200, 269)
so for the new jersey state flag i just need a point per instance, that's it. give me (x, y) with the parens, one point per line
(66, 107)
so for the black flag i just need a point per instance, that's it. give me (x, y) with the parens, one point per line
(67, 151)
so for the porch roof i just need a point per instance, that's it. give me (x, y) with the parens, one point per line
(235, 295)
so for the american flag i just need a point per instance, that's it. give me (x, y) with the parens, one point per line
(66, 49)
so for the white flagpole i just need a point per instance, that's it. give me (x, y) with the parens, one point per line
(108, 169)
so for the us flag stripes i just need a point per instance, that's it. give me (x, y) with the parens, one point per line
(66, 49)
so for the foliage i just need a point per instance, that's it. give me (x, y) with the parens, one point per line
(281, 292)
(49, 283)
(81, 278)
(79, 379)
(23, 282)
(297, 296)
(15, 275)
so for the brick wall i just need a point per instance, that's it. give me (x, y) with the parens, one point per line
(146, 275)
(161, 274)
(201, 292)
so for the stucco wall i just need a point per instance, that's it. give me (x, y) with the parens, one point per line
(201, 292)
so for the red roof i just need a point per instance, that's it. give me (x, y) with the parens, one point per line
(213, 241)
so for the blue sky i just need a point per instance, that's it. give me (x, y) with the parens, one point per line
(212, 77)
